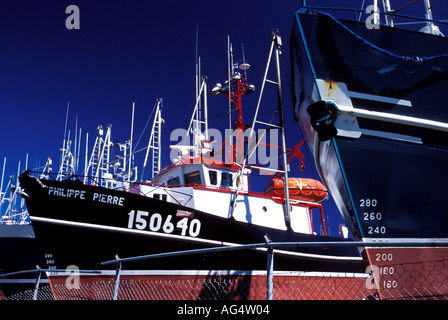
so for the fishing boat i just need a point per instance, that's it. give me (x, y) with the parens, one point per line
(369, 97)
(18, 246)
(201, 200)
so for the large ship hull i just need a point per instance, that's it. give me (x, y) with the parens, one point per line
(18, 252)
(384, 151)
(81, 225)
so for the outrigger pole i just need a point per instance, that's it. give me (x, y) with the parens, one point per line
(276, 44)
(286, 207)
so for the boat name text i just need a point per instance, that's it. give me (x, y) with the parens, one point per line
(78, 194)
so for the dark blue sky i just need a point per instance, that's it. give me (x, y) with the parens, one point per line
(124, 52)
(131, 51)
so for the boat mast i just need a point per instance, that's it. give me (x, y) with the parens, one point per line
(376, 14)
(99, 159)
(75, 154)
(197, 118)
(235, 87)
(78, 150)
(86, 170)
(286, 207)
(65, 128)
(2, 194)
(130, 143)
(229, 71)
(387, 8)
(66, 167)
(243, 88)
(276, 44)
(428, 16)
(155, 140)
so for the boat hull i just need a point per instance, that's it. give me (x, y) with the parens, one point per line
(381, 160)
(84, 231)
(409, 273)
(18, 252)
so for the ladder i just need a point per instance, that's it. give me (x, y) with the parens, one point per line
(99, 163)
(155, 140)
(66, 168)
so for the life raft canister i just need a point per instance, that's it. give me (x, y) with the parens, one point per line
(302, 189)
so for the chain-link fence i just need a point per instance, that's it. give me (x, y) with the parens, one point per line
(388, 280)
(290, 286)
(426, 280)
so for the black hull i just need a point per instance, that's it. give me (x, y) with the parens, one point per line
(18, 252)
(388, 179)
(84, 232)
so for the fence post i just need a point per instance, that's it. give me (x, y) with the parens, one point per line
(117, 277)
(269, 268)
(270, 274)
(36, 287)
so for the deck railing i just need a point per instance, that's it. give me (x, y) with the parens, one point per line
(398, 19)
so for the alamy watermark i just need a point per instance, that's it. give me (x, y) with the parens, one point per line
(73, 20)
(373, 20)
(72, 281)
(260, 148)
(374, 281)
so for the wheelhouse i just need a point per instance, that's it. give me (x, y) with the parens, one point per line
(198, 173)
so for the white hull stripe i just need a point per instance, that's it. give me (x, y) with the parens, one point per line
(427, 243)
(184, 238)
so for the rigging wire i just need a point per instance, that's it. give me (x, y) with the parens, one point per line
(146, 125)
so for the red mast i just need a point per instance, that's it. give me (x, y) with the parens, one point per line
(237, 87)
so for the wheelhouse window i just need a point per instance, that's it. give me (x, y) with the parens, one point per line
(160, 196)
(318, 221)
(226, 179)
(174, 181)
(193, 178)
(213, 176)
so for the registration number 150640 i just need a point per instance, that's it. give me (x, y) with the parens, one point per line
(143, 220)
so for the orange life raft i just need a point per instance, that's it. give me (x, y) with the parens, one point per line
(302, 189)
